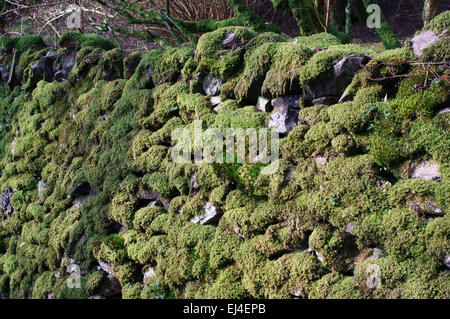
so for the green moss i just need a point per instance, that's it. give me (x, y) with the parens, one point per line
(78, 40)
(21, 43)
(319, 40)
(171, 63)
(439, 23)
(257, 64)
(194, 107)
(398, 227)
(48, 94)
(283, 76)
(210, 44)
(437, 52)
(110, 65)
(384, 32)
(145, 216)
(321, 64)
(111, 92)
(159, 183)
(227, 285)
(335, 286)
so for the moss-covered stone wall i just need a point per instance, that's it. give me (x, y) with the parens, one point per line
(87, 178)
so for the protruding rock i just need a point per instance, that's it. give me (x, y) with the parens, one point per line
(444, 110)
(447, 261)
(264, 105)
(194, 184)
(150, 273)
(210, 215)
(152, 196)
(425, 207)
(42, 70)
(212, 85)
(285, 102)
(425, 39)
(230, 39)
(6, 202)
(377, 253)
(215, 100)
(285, 115)
(110, 285)
(427, 170)
(350, 228)
(41, 187)
(329, 90)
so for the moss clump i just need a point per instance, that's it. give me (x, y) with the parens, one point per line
(48, 94)
(210, 44)
(439, 23)
(283, 76)
(194, 107)
(170, 64)
(159, 183)
(318, 40)
(321, 63)
(21, 43)
(165, 103)
(145, 216)
(78, 40)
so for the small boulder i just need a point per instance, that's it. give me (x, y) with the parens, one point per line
(264, 105)
(285, 115)
(110, 286)
(215, 100)
(6, 202)
(426, 170)
(231, 40)
(42, 70)
(41, 187)
(153, 197)
(330, 89)
(212, 85)
(447, 261)
(424, 40)
(211, 214)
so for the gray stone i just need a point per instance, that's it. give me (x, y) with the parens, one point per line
(211, 214)
(447, 261)
(13, 145)
(377, 253)
(285, 115)
(212, 85)
(41, 187)
(230, 39)
(215, 100)
(152, 195)
(42, 70)
(350, 228)
(194, 184)
(427, 170)
(445, 110)
(285, 102)
(330, 89)
(264, 105)
(237, 231)
(284, 120)
(425, 206)
(4, 72)
(6, 207)
(425, 39)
